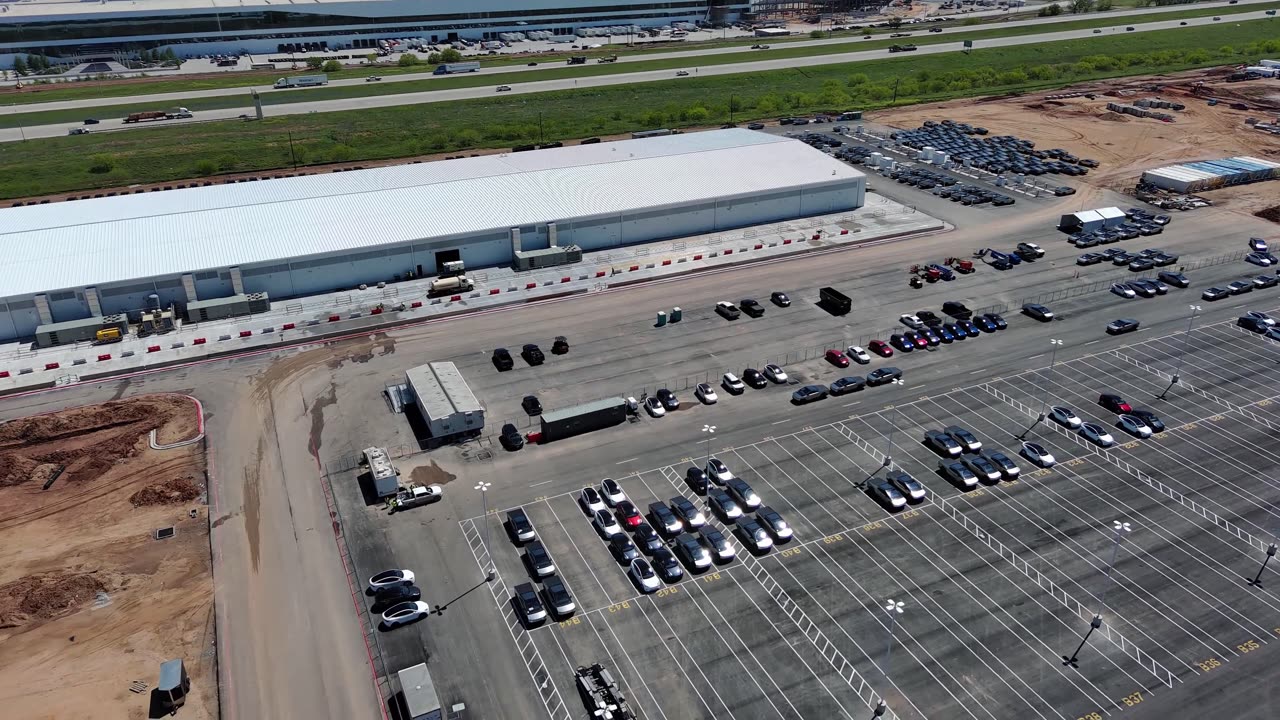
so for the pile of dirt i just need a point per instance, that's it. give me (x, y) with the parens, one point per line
(86, 441)
(1272, 213)
(170, 492)
(1113, 116)
(45, 596)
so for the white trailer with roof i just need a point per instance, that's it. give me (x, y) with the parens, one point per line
(444, 400)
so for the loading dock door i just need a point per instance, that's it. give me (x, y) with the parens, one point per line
(446, 256)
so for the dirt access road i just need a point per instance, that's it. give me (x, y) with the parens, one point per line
(89, 601)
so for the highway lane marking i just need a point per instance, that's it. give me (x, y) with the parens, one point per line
(783, 420)
(855, 402)
(544, 482)
(979, 370)
(1033, 357)
(1092, 342)
(621, 462)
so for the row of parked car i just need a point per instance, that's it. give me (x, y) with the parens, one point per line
(1261, 323)
(1138, 223)
(1143, 260)
(531, 353)
(1137, 422)
(997, 154)
(965, 462)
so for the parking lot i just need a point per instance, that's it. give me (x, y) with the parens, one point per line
(998, 583)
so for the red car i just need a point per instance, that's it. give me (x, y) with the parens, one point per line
(627, 513)
(1114, 403)
(880, 348)
(918, 339)
(837, 358)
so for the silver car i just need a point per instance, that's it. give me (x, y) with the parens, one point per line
(1134, 425)
(1065, 416)
(959, 473)
(1096, 434)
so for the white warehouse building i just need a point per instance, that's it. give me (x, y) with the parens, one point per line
(293, 237)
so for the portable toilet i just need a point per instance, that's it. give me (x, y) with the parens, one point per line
(662, 318)
(676, 314)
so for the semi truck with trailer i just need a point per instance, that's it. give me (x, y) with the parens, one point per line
(455, 68)
(301, 81)
(149, 115)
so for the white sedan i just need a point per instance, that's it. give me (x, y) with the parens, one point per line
(606, 524)
(390, 578)
(858, 355)
(405, 612)
(1065, 416)
(612, 491)
(775, 373)
(653, 406)
(704, 393)
(1134, 425)
(1097, 435)
(1038, 454)
(1123, 291)
(591, 499)
(643, 576)
(911, 321)
(731, 383)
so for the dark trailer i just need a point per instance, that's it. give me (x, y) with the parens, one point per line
(584, 418)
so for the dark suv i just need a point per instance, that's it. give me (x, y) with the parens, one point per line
(751, 307)
(531, 404)
(532, 354)
(502, 359)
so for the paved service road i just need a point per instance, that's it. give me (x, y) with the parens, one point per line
(535, 86)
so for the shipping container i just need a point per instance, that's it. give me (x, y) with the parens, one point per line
(835, 301)
(584, 418)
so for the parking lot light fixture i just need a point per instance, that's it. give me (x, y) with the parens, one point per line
(893, 427)
(1073, 661)
(880, 710)
(1257, 579)
(483, 487)
(710, 430)
(1186, 341)
(1044, 391)
(894, 609)
(1118, 530)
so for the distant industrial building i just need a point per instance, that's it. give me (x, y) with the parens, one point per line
(251, 243)
(1090, 220)
(99, 30)
(1212, 174)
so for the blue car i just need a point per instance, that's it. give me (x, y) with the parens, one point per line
(968, 327)
(984, 324)
(955, 331)
(944, 334)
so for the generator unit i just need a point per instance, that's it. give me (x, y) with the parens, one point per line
(547, 257)
(74, 331)
(227, 307)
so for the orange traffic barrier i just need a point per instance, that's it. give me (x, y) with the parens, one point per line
(103, 357)
(198, 341)
(51, 366)
(246, 333)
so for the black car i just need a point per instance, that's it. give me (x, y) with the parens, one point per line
(1214, 293)
(780, 299)
(538, 559)
(665, 521)
(751, 307)
(1151, 419)
(521, 528)
(910, 488)
(754, 378)
(697, 480)
(530, 606)
(853, 383)
(385, 597)
(1176, 279)
(502, 359)
(929, 318)
(560, 346)
(691, 550)
(647, 538)
(956, 310)
(1253, 324)
(511, 438)
(624, 551)
(532, 354)
(883, 375)
(1141, 265)
(1122, 326)
(668, 399)
(984, 323)
(756, 126)
(531, 404)
(558, 597)
(666, 565)
(91, 121)
(997, 320)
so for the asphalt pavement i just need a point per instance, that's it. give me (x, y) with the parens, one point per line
(537, 86)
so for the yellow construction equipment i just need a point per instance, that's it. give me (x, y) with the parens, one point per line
(108, 335)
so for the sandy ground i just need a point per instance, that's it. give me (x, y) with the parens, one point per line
(89, 602)
(1127, 145)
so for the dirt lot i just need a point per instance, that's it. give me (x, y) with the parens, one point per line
(89, 601)
(1127, 145)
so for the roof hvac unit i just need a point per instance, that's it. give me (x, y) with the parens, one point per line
(547, 257)
(222, 308)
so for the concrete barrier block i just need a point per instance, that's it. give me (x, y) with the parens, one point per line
(726, 252)
(127, 353)
(494, 291)
(376, 311)
(666, 263)
(530, 286)
(844, 232)
(355, 315)
(79, 361)
(178, 345)
(697, 257)
(52, 366)
(786, 241)
(600, 273)
(650, 266)
(313, 322)
(758, 247)
(25, 371)
(224, 337)
(633, 268)
(682, 260)
(455, 298)
(334, 318)
(565, 279)
(415, 304)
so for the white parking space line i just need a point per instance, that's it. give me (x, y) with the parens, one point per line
(676, 636)
(613, 662)
(569, 536)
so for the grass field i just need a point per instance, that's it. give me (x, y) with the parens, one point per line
(556, 68)
(113, 159)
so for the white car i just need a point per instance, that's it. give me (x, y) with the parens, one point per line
(858, 355)
(1038, 454)
(1065, 417)
(1134, 425)
(612, 492)
(405, 612)
(911, 321)
(391, 578)
(1097, 434)
(606, 524)
(591, 499)
(682, 73)
(775, 373)
(373, 78)
(1123, 291)
(718, 472)
(643, 576)
(704, 393)
(653, 406)
(732, 384)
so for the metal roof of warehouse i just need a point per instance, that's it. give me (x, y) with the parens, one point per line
(110, 240)
(441, 391)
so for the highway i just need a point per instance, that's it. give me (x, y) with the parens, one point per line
(536, 86)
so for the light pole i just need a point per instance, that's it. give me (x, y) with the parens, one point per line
(1044, 395)
(1257, 579)
(894, 609)
(483, 487)
(710, 430)
(1186, 340)
(880, 710)
(1119, 530)
(1075, 656)
(893, 428)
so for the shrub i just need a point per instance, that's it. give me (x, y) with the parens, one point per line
(101, 163)
(408, 60)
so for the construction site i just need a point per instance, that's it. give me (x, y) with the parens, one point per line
(104, 544)
(1182, 117)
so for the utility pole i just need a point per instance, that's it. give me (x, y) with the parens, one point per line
(1075, 656)
(1044, 395)
(483, 487)
(1186, 340)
